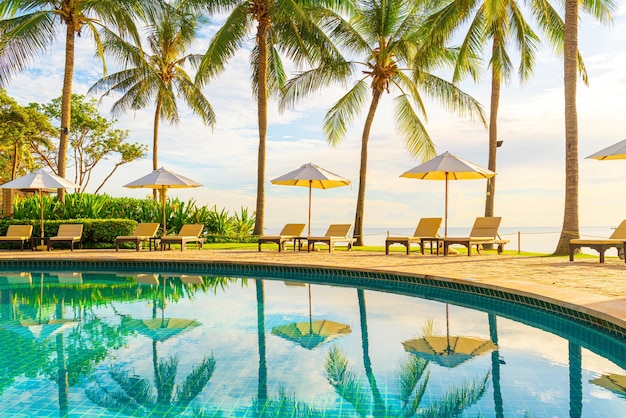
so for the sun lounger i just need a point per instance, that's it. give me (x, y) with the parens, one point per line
(67, 234)
(289, 233)
(17, 233)
(143, 232)
(335, 233)
(616, 240)
(484, 231)
(426, 228)
(188, 233)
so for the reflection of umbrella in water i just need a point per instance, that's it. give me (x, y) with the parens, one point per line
(616, 383)
(157, 329)
(448, 167)
(162, 180)
(310, 334)
(40, 180)
(39, 328)
(448, 351)
(314, 177)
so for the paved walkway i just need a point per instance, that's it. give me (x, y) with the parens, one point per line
(585, 284)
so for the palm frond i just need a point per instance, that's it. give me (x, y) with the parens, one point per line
(413, 131)
(451, 97)
(196, 381)
(343, 112)
(224, 44)
(456, 400)
(22, 39)
(195, 99)
(527, 42)
(311, 81)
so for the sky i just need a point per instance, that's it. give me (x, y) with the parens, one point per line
(530, 179)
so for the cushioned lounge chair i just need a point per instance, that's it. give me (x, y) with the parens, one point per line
(187, 234)
(289, 233)
(19, 234)
(484, 231)
(335, 233)
(69, 234)
(426, 228)
(616, 240)
(143, 232)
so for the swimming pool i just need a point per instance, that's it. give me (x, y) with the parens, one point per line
(235, 341)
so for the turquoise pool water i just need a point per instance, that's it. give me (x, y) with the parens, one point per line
(179, 343)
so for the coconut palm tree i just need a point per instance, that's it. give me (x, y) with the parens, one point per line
(385, 37)
(600, 10)
(157, 74)
(281, 27)
(500, 23)
(30, 28)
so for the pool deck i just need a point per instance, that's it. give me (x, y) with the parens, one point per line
(584, 285)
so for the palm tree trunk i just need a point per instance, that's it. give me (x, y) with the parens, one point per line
(155, 141)
(360, 201)
(66, 101)
(493, 138)
(262, 384)
(575, 381)
(379, 405)
(570, 218)
(262, 120)
(14, 164)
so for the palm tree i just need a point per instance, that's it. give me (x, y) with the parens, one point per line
(30, 28)
(385, 35)
(601, 10)
(282, 27)
(158, 76)
(501, 23)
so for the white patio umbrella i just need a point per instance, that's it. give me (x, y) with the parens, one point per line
(448, 167)
(314, 177)
(162, 180)
(614, 152)
(40, 180)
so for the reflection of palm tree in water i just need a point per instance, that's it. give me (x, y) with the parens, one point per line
(132, 394)
(413, 378)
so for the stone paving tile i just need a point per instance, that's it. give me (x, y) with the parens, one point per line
(584, 284)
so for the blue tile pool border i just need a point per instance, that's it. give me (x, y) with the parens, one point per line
(393, 282)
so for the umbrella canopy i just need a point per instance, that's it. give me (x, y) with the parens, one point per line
(159, 329)
(614, 152)
(448, 351)
(310, 334)
(448, 167)
(614, 382)
(314, 177)
(38, 329)
(40, 180)
(162, 180)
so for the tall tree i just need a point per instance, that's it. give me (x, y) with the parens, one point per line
(385, 37)
(601, 10)
(501, 23)
(30, 28)
(157, 75)
(284, 27)
(22, 131)
(92, 139)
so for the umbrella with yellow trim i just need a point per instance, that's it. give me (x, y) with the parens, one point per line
(616, 383)
(446, 350)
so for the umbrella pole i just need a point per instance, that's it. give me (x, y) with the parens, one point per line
(163, 210)
(447, 330)
(445, 230)
(309, 223)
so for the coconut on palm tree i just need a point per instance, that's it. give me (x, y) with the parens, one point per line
(391, 56)
(28, 29)
(280, 28)
(157, 74)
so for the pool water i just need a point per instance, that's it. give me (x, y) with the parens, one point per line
(87, 344)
